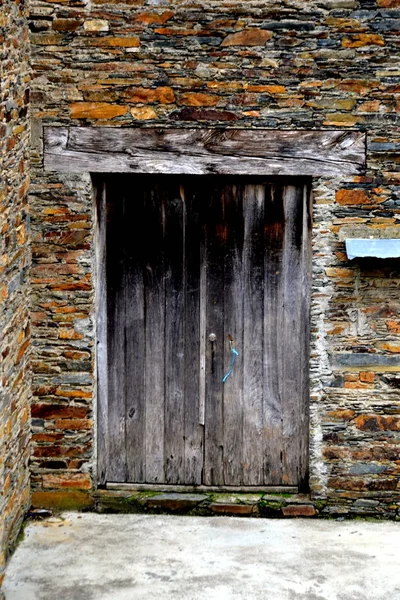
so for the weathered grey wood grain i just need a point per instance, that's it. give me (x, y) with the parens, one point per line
(253, 334)
(154, 284)
(193, 348)
(232, 289)
(131, 236)
(216, 234)
(101, 331)
(203, 332)
(116, 320)
(304, 409)
(174, 341)
(204, 151)
(291, 336)
(274, 351)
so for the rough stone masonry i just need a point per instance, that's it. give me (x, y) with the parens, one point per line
(284, 64)
(15, 259)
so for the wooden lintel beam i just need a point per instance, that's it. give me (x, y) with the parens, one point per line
(204, 151)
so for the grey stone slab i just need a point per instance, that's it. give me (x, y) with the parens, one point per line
(359, 359)
(184, 497)
(366, 502)
(366, 468)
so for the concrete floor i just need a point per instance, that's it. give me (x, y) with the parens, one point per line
(129, 557)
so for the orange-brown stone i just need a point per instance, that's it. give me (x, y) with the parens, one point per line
(357, 86)
(197, 99)
(299, 510)
(66, 24)
(73, 393)
(342, 414)
(59, 411)
(349, 197)
(56, 451)
(334, 452)
(232, 509)
(341, 120)
(377, 423)
(390, 347)
(388, 3)
(179, 31)
(359, 40)
(248, 37)
(80, 481)
(160, 95)
(96, 110)
(393, 326)
(69, 334)
(149, 18)
(339, 272)
(269, 89)
(116, 42)
(367, 376)
(74, 424)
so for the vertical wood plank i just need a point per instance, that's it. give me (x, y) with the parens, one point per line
(291, 333)
(101, 332)
(203, 333)
(253, 346)
(306, 255)
(233, 413)
(174, 346)
(153, 240)
(216, 235)
(194, 339)
(274, 351)
(116, 335)
(135, 332)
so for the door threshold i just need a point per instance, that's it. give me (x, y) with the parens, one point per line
(244, 489)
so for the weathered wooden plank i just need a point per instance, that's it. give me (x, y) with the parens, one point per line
(304, 399)
(216, 234)
(153, 240)
(116, 339)
(203, 332)
(291, 337)
(272, 489)
(194, 348)
(204, 151)
(232, 289)
(101, 326)
(131, 237)
(174, 345)
(253, 345)
(274, 351)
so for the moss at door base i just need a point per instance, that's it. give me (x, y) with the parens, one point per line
(68, 500)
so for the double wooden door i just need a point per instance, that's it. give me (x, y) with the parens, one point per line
(207, 283)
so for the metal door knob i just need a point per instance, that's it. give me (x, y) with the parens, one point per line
(212, 337)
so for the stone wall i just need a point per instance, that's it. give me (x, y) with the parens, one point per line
(286, 64)
(15, 260)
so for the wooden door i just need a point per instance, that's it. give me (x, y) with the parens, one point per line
(198, 269)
